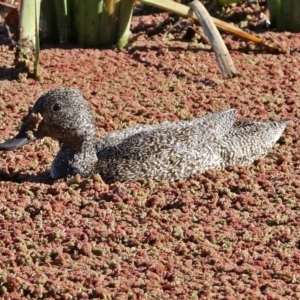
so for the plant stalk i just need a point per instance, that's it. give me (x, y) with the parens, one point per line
(37, 40)
(125, 15)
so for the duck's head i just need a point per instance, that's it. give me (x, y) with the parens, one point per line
(62, 114)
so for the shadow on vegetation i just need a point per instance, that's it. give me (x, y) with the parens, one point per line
(139, 54)
(18, 177)
(7, 73)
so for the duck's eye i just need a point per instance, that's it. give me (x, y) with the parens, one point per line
(56, 107)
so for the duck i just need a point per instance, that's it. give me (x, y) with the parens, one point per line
(165, 152)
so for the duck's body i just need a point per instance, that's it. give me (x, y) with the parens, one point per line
(168, 151)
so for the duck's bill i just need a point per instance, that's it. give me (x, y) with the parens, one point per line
(16, 142)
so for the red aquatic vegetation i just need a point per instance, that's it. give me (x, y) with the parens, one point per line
(228, 234)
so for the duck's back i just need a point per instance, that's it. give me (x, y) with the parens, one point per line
(166, 151)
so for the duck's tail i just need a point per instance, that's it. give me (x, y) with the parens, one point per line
(248, 141)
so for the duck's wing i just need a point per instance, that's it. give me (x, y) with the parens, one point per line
(179, 136)
(167, 151)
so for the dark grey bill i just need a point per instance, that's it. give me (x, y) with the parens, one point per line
(16, 142)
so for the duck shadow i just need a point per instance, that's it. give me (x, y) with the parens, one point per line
(19, 177)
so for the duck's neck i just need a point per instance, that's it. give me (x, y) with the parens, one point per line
(75, 158)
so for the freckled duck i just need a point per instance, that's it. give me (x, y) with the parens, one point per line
(168, 151)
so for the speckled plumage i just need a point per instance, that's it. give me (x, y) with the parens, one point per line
(169, 151)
